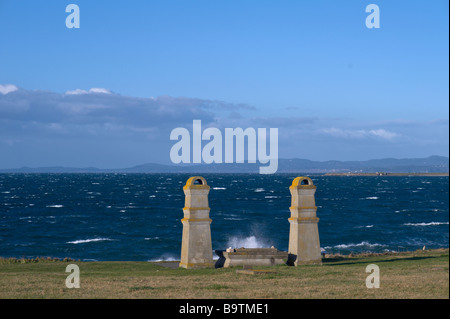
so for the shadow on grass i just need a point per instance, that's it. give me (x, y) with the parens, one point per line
(354, 261)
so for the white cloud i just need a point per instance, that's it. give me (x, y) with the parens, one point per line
(337, 132)
(383, 134)
(7, 88)
(76, 92)
(100, 90)
(93, 90)
(360, 134)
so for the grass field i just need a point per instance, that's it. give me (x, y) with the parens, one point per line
(419, 274)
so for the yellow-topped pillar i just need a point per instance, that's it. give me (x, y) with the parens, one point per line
(196, 247)
(304, 243)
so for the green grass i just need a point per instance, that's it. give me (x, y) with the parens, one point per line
(420, 274)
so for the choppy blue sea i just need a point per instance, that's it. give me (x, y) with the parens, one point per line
(138, 216)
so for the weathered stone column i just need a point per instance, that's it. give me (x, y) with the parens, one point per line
(196, 247)
(304, 244)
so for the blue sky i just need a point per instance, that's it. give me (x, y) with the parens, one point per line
(333, 87)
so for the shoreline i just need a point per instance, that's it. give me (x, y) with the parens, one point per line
(334, 256)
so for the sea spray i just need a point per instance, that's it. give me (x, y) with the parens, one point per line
(165, 257)
(247, 242)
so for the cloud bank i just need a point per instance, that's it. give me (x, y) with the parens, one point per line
(97, 127)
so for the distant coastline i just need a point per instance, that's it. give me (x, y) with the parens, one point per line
(429, 166)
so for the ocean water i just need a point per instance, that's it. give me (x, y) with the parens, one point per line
(138, 216)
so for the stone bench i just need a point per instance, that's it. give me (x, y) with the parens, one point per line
(254, 257)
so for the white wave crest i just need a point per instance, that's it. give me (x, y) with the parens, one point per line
(365, 244)
(83, 241)
(426, 224)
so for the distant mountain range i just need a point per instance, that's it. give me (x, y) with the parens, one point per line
(432, 164)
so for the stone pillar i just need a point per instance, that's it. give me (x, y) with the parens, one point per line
(304, 244)
(196, 247)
